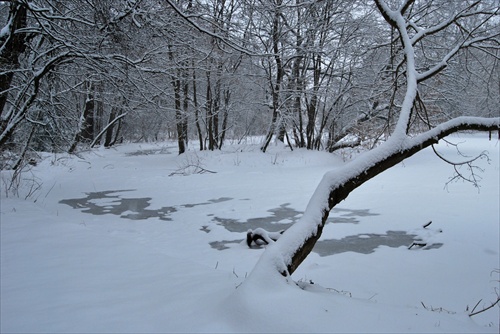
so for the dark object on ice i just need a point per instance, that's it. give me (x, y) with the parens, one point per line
(418, 243)
(259, 237)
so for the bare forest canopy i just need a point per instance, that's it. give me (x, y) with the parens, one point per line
(316, 74)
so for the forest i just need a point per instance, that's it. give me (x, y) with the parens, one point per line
(322, 75)
(184, 122)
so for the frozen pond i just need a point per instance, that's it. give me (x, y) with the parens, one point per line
(111, 202)
(367, 243)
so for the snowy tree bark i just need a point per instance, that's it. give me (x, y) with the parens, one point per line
(287, 253)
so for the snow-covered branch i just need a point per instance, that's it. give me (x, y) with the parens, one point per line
(288, 252)
(110, 124)
(467, 11)
(298, 241)
(444, 61)
(395, 18)
(49, 14)
(19, 109)
(208, 32)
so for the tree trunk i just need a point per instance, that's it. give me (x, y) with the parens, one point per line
(270, 132)
(99, 113)
(179, 116)
(289, 251)
(313, 102)
(209, 113)
(338, 184)
(108, 137)
(12, 46)
(185, 108)
(276, 88)
(87, 133)
(117, 132)
(196, 110)
(215, 117)
(225, 114)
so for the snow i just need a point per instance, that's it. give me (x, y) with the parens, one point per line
(66, 270)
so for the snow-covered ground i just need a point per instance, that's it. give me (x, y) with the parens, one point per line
(139, 239)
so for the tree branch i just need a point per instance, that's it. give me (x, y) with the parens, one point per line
(385, 11)
(484, 309)
(218, 37)
(98, 137)
(404, 7)
(444, 62)
(422, 33)
(287, 253)
(338, 184)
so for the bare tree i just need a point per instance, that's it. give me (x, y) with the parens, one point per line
(275, 67)
(54, 48)
(71, 70)
(285, 255)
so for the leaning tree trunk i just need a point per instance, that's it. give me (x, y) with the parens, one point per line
(288, 252)
(338, 184)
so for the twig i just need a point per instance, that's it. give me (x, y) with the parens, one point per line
(474, 178)
(472, 313)
(419, 244)
(342, 292)
(191, 165)
(198, 170)
(480, 300)
(439, 309)
(48, 192)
